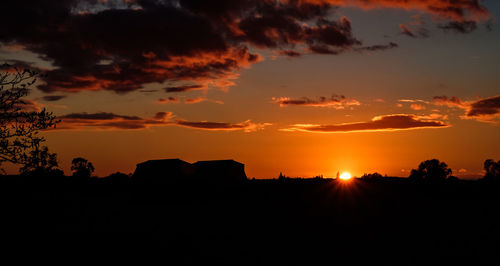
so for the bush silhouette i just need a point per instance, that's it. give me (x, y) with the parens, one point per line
(492, 169)
(119, 178)
(81, 168)
(374, 176)
(41, 163)
(431, 171)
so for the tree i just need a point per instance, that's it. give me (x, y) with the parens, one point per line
(82, 168)
(431, 170)
(20, 126)
(42, 164)
(492, 169)
(374, 176)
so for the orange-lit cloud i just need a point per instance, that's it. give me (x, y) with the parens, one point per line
(27, 105)
(184, 88)
(415, 104)
(483, 110)
(246, 126)
(168, 100)
(450, 102)
(379, 123)
(195, 100)
(336, 101)
(111, 121)
(417, 107)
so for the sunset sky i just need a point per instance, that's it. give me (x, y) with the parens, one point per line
(301, 87)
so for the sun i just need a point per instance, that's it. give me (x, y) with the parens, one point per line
(345, 176)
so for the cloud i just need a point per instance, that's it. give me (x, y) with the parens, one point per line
(27, 105)
(450, 102)
(463, 27)
(184, 88)
(419, 33)
(336, 101)
(104, 120)
(413, 101)
(111, 121)
(195, 100)
(246, 126)
(483, 110)
(289, 53)
(123, 45)
(374, 48)
(441, 9)
(379, 123)
(417, 107)
(415, 104)
(53, 98)
(168, 100)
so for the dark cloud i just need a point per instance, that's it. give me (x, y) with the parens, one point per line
(168, 100)
(374, 48)
(379, 123)
(449, 101)
(27, 105)
(122, 45)
(99, 116)
(336, 101)
(195, 100)
(53, 98)
(289, 53)
(246, 126)
(485, 110)
(184, 88)
(111, 121)
(463, 27)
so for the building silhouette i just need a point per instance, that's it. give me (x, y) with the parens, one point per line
(168, 171)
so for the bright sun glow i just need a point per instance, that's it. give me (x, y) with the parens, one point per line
(345, 176)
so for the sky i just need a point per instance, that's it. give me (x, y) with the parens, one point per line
(305, 88)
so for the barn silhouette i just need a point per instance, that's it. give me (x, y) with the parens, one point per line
(167, 171)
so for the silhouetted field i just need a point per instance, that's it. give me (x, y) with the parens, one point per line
(258, 222)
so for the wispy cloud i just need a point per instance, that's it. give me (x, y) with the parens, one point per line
(111, 121)
(380, 123)
(246, 126)
(483, 110)
(168, 100)
(336, 101)
(53, 98)
(185, 88)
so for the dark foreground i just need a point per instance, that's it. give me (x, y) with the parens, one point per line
(273, 222)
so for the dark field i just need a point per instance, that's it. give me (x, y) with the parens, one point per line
(260, 222)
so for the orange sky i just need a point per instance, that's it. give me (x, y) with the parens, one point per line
(378, 88)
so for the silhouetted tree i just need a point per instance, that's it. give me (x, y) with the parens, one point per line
(431, 170)
(41, 163)
(492, 169)
(119, 178)
(372, 176)
(20, 125)
(81, 168)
